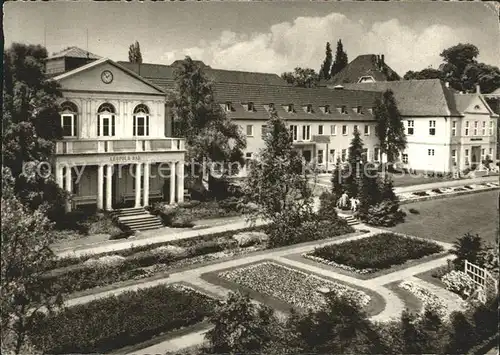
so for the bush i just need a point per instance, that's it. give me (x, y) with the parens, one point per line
(207, 247)
(469, 187)
(182, 221)
(328, 203)
(378, 252)
(413, 211)
(469, 247)
(420, 193)
(438, 191)
(117, 321)
(246, 239)
(230, 204)
(386, 214)
(459, 282)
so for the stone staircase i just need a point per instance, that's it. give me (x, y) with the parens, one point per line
(351, 220)
(138, 219)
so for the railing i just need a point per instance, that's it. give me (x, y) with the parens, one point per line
(481, 277)
(92, 146)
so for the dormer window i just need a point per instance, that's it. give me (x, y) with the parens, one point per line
(325, 109)
(250, 106)
(370, 110)
(269, 107)
(308, 108)
(289, 108)
(359, 110)
(343, 110)
(228, 107)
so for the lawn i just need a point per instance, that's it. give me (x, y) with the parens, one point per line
(447, 219)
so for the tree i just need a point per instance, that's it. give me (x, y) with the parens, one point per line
(484, 75)
(240, 327)
(468, 247)
(337, 179)
(26, 255)
(389, 127)
(369, 190)
(427, 73)
(278, 185)
(301, 77)
(341, 60)
(210, 135)
(456, 59)
(355, 165)
(324, 72)
(134, 53)
(455, 341)
(31, 125)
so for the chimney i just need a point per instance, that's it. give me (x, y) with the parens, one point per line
(382, 60)
(478, 89)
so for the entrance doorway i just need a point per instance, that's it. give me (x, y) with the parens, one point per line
(475, 156)
(307, 155)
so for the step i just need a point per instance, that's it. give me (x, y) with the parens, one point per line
(130, 212)
(138, 223)
(137, 217)
(142, 220)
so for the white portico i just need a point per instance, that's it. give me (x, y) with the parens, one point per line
(114, 152)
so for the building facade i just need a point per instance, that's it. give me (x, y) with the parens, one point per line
(115, 151)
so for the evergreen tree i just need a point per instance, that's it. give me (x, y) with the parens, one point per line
(337, 180)
(278, 185)
(387, 189)
(31, 124)
(461, 335)
(134, 53)
(369, 190)
(341, 60)
(324, 72)
(389, 127)
(355, 165)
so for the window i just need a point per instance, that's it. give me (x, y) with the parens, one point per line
(250, 107)
(483, 130)
(331, 156)
(75, 186)
(68, 119)
(320, 129)
(475, 128)
(359, 110)
(264, 130)
(411, 127)
(343, 110)
(467, 156)
(290, 108)
(432, 128)
(248, 158)
(376, 153)
(344, 130)
(320, 156)
(454, 157)
(490, 152)
(294, 132)
(367, 130)
(333, 130)
(355, 128)
(306, 133)
(309, 108)
(364, 155)
(228, 107)
(405, 158)
(141, 120)
(454, 128)
(343, 156)
(466, 128)
(483, 153)
(106, 120)
(249, 130)
(491, 128)
(269, 107)
(326, 109)
(430, 152)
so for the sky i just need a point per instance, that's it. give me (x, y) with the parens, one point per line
(265, 36)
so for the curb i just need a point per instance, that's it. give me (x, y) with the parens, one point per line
(445, 195)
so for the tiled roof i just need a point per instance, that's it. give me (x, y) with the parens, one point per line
(363, 65)
(416, 97)
(462, 101)
(166, 72)
(74, 52)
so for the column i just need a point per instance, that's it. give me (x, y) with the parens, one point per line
(100, 182)
(109, 187)
(180, 181)
(172, 183)
(145, 197)
(68, 187)
(138, 185)
(59, 175)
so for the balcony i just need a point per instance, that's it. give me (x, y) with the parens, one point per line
(96, 146)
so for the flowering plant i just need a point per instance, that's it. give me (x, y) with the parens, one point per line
(430, 300)
(459, 282)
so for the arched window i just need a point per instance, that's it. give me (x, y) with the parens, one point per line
(69, 113)
(141, 120)
(106, 120)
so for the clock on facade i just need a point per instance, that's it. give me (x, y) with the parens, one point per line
(106, 77)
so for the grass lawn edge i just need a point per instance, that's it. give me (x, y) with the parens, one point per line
(412, 303)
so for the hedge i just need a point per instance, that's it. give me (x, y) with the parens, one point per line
(114, 322)
(380, 251)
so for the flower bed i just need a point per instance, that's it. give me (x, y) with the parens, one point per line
(294, 287)
(459, 282)
(117, 321)
(371, 254)
(430, 300)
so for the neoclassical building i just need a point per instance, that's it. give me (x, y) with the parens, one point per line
(115, 151)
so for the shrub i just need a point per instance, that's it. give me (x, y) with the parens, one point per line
(230, 204)
(386, 214)
(117, 321)
(246, 239)
(328, 203)
(469, 187)
(467, 247)
(421, 193)
(105, 261)
(438, 191)
(459, 282)
(413, 211)
(182, 221)
(207, 247)
(380, 251)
